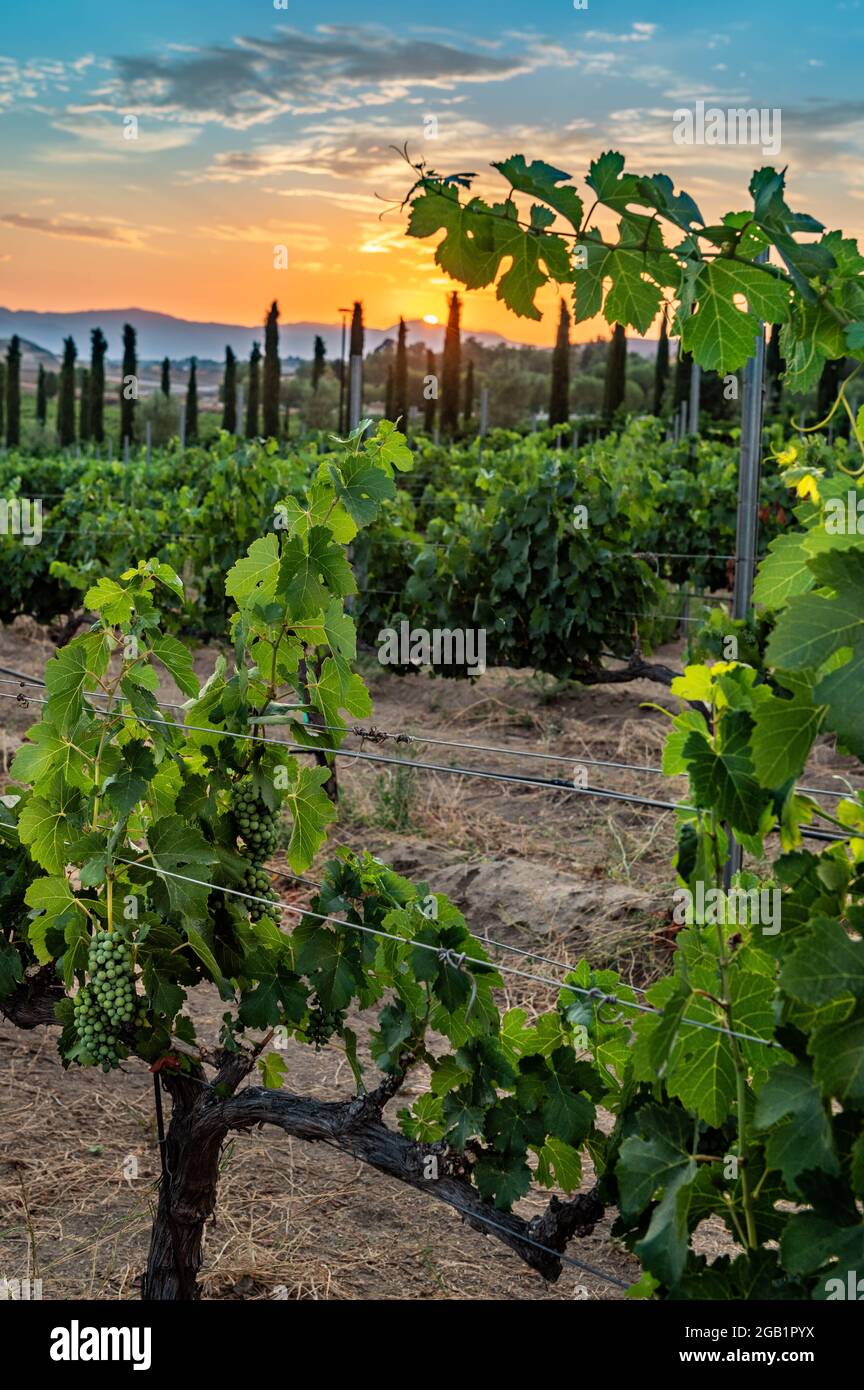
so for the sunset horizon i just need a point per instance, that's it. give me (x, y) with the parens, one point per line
(245, 162)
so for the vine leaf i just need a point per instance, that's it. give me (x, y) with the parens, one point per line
(177, 660)
(719, 334)
(468, 252)
(47, 827)
(784, 572)
(725, 781)
(179, 848)
(783, 735)
(825, 964)
(658, 1161)
(256, 574)
(816, 626)
(312, 811)
(790, 1105)
(838, 1058)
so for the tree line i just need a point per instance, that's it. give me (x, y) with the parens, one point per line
(601, 380)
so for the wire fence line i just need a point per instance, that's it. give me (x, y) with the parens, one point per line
(597, 995)
(299, 749)
(375, 734)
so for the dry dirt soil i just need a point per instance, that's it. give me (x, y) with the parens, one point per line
(555, 872)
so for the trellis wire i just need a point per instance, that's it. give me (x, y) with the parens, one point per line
(408, 736)
(600, 996)
(299, 749)
(487, 940)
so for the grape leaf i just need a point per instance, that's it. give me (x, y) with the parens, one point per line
(179, 848)
(361, 487)
(47, 827)
(111, 600)
(791, 1106)
(783, 734)
(814, 627)
(255, 575)
(311, 810)
(825, 963)
(783, 573)
(541, 180)
(719, 334)
(468, 252)
(725, 781)
(177, 659)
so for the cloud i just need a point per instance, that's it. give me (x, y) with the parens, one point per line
(255, 80)
(66, 226)
(341, 149)
(108, 133)
(297, 236)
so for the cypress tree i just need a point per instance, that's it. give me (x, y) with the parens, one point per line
(98, 348)
(450, 369)
(388, 394)
(13, 392)
(355, 345)
(41, 397)
(192, 401)
(661, 367)
(468, 408)
(429, 401)
(559, 390)
(3, 394)
(229, 393)
(400, 378)
(683, 368)
(252, 430)
(355, 367)
(270, 384)
(128, 389)
(66, 396)
(84, 407)
(165, 386)
(616, 373)
(319, 361)
(774, 367)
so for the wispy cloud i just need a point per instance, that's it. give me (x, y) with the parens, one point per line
(117, 234)
(252, 81)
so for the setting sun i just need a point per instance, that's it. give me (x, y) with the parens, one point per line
(430, 318)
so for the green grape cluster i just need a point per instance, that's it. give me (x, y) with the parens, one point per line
(108, 1001)
(256, 826)
(256, 823)
(322, 1024)
(257, 880)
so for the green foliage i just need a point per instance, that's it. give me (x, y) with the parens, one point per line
(710, 270)
(735, 1084)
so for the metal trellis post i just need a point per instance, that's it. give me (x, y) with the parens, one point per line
(749, 473)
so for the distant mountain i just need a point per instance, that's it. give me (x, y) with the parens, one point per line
(163, 335)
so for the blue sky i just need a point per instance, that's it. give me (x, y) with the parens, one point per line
(259, 127)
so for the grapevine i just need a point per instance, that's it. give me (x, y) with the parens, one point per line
(734, 1084)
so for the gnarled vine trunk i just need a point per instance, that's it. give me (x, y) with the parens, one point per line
(187, 1199)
